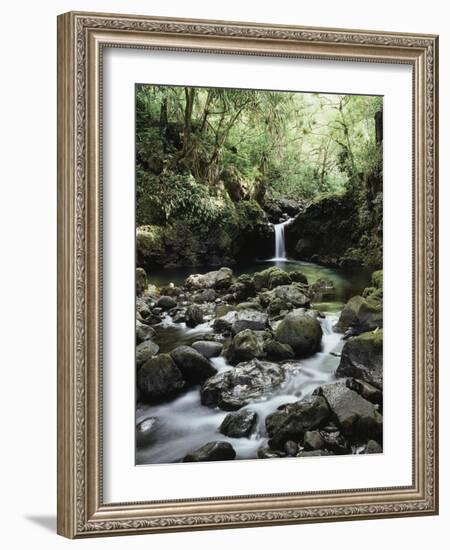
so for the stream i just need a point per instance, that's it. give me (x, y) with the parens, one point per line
(184, 424)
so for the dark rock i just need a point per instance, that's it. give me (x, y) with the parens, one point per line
(208, 295)
(366, 390)
(291, 448)
(170, 290)
(193, 316)
(144, 351)
(292, 420)
(336, 442)
(215, 450)
(277, 350)
(159, 379)
(146, 430)
(313, 441)
(322, 290)
(192, 364)
(362, 358)
(356, 417)
(267, 452)
(372, 448)
(288, 297)
(142, 307)
(143, 332)
(208, 348)
(246, 345)
(166, 302)
(298, 277)
(318, 452)
(141, 281)
(238, 424)
(235, 321)
(301, 331)
(361, 314)
(248, 382)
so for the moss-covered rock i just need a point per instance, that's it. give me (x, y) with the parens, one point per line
(300, 331)
(159, 379)
(141, 281)
(246, 345)
(361, 314)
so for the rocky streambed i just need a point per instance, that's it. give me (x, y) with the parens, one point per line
(277, 362)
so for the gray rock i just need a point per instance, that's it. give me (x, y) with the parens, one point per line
(277, 350)
(366, 390)
(142, 307)
(159, 379)
(286, 296)
(246, 345)
(356, 417)
(362, 358)
(208, 295)
(166, 302)
(372, 448)
(247, 382)
(146, 431)
(267, 452)
(193, 315)
(313, 441)
(301, 331)
(238, 424)
(318, 452)
(143, 332)
(144, 351)
(292, 420)
(141, 281)
(235, 321)
(192, 364)
(361, 313)
(208, 348)
(215, 450)
(336, 442)
(220, 279)
(291, 448)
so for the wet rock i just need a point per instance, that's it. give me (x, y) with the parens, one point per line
(336, 442)
(322, 290)
(313, 441)
(142, 308)
(292, 420)
(298, 277)
(301, 331)
(144, 351)
(366, 390)
(141, 281)
(361, 315)
(208, 295)
(243, 288)
(318, 452)
(235, 321)
(171, 290)
(159, 379)
(192, 364)
(143, 332)
(166, 302)
(288, 296)
(208, 348)
(356, 417)
(215, 450)
(277, 350)
(362, 358)
(193, 316)
(247, 382)
(146, 431)
(221, 279)
(238, 424)
(267, 452)
(246, 345)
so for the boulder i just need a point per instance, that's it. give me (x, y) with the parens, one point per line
(239, 424)
(208, 348)
(159, 379)
(194, 367)
(301, 331)
(267, 452)
(193, 315)
(146, 431)
(288, 296)
(372, 447)
(366, 390)
(298, 277)
(312, 440)
(247, 382)
(360, 315)
(246, 345)
(291, 421)
(141, 281)
(235, 321)
(220, 279)
(318, 452)
(334, 441)
(166, 302)
(144, 351)
(142, 307)
(277, 350)
(362, 358)
(215, 450)
(357, 418)
(207, 295)
(143, 332)
(243, 288)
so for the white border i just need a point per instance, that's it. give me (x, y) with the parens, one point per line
(123, 481)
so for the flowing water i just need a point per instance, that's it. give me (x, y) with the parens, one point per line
(280, 246)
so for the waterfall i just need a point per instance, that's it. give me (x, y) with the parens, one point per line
(280, 246)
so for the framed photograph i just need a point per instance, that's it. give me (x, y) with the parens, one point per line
(247, 286)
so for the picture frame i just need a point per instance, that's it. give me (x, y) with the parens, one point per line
(82, 39)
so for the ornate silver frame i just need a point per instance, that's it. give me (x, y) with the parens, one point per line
(81, 37)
